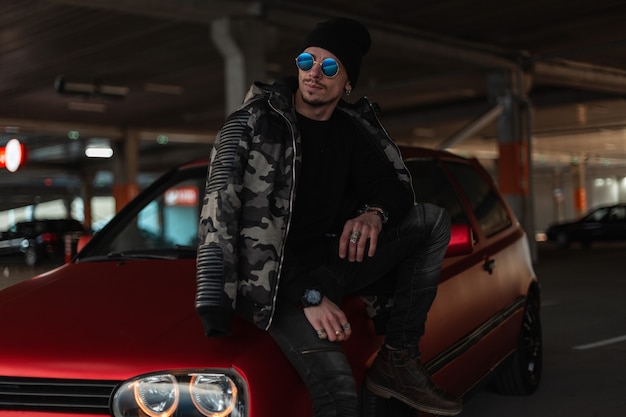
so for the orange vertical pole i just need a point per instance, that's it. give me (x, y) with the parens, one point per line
(580, 193)
(123, 193)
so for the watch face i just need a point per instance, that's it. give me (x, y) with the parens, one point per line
(313, 297)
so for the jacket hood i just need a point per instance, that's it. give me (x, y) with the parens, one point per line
(280, 92)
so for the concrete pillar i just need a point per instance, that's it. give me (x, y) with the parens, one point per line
(67, 203)
(125, 169)
(514, 129)
(558, 195)
(242, 44)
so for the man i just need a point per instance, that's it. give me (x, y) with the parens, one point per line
(307, 200)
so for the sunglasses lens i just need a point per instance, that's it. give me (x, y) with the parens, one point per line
(305, 61)
(330, 67)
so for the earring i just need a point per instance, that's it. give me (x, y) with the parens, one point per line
(348, 92)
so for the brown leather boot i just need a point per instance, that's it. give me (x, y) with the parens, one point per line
(394, 374)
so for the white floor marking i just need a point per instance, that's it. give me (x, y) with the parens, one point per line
(601, 343)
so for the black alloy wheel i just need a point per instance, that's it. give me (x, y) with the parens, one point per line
(521, 373)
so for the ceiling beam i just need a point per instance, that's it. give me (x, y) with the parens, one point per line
(46, 127)
(203, 11)
(561, 73)
(580, 75)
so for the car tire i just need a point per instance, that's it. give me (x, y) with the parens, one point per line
(31, 258)
(521, 373)
(371, 405)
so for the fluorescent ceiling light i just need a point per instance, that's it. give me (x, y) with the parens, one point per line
(98, 151)
(89, 89)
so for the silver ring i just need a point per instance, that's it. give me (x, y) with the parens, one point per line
(345, 327)
(355, 236)
(320, 333)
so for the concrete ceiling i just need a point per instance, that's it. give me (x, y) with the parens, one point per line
(151, 68)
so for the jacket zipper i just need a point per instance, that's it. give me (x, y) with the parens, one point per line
(291, 202)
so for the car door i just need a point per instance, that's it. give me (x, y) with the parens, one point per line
(474, 320)
(615, 223)
(594, 226)
(505, 261)
(8, 242)
(470, 300)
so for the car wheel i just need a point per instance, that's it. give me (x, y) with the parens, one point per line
(563, 240)
(371, 405)
(521, 373)
(30, 256)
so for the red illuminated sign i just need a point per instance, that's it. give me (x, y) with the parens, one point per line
(13, 155)
(181, 196)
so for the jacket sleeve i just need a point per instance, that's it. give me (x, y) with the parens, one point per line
(218, 232)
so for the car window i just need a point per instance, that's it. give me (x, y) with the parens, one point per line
(432, 186)
(484, 200)
(618, 213)
(169, 221)
(597, 215)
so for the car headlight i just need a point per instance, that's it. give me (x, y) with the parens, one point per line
(208, 393)
(157, 395)
(213, 394)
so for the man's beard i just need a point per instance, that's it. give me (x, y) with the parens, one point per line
(314, 102)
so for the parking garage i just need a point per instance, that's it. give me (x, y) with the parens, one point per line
(534, 91)
(536, 97)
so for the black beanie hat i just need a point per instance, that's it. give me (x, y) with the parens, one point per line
(346, 38)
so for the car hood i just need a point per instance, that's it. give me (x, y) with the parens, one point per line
(114, 320)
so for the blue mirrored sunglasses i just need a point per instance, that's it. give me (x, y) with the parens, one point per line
(330, 66)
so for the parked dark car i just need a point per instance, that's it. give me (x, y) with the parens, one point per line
(115, 332)
(38, 240)
(606, 223)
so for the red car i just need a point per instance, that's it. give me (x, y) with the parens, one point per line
(115, 331)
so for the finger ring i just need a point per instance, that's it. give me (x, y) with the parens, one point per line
(345, 326)
(320, 333)
(354, 237)
(337, 332)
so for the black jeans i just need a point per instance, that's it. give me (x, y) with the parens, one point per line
(407, 265)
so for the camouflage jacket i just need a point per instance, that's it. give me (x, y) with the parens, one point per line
(250, 191)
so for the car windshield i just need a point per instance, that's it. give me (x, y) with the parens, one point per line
(161, 223)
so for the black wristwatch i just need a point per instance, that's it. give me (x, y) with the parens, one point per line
(312, 297)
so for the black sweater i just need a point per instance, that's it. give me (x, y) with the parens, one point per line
(340, 173)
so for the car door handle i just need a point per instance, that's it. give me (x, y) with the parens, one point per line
(489, 265)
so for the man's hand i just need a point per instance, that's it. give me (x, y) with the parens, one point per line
(355, 235)
(328, 321)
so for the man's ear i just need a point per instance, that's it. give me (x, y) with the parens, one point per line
(348, 88)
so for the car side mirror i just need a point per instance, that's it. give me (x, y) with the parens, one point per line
(461, 240)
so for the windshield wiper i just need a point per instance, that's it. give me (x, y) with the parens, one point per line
(177, 252)
(141, 255)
